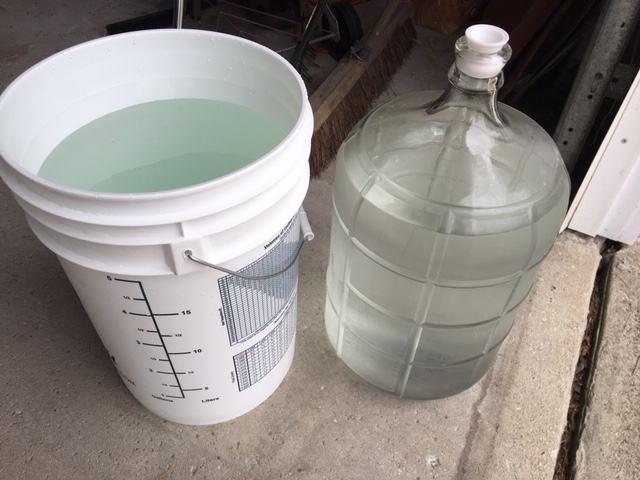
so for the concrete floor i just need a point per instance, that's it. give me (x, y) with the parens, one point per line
(66, 414)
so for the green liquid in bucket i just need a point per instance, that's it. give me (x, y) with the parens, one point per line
(161, 145)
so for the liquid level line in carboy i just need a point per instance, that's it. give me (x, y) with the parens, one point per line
(158, 341)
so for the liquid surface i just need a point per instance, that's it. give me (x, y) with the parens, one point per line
(161, 145)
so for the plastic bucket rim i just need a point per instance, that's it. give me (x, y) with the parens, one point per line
(175, 192)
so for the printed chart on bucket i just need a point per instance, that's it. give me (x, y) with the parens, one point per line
(204, 351)
(249, 305)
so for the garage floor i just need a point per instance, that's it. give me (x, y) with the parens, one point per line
(66, 414)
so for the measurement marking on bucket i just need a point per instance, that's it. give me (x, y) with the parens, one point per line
(160, 342)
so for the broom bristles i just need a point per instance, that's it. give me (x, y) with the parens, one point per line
(357, 102)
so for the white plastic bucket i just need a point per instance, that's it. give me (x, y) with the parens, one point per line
(193, 344)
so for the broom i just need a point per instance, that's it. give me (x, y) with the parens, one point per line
(349, 91)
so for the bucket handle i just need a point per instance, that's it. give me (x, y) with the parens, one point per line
(307, 236)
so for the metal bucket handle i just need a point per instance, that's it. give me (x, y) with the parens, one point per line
(307, 236)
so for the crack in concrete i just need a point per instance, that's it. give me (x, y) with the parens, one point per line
(567, 456)
(474, 426)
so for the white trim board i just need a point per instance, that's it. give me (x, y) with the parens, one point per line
(608, 201)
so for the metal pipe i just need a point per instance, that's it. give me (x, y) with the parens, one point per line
(178, 13)
(606, 46)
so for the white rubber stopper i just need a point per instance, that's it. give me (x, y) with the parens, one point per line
(481, 60)
(486, 39)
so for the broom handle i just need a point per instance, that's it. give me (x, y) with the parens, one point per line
(342, 79)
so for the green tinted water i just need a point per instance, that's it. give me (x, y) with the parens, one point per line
(161, 145)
